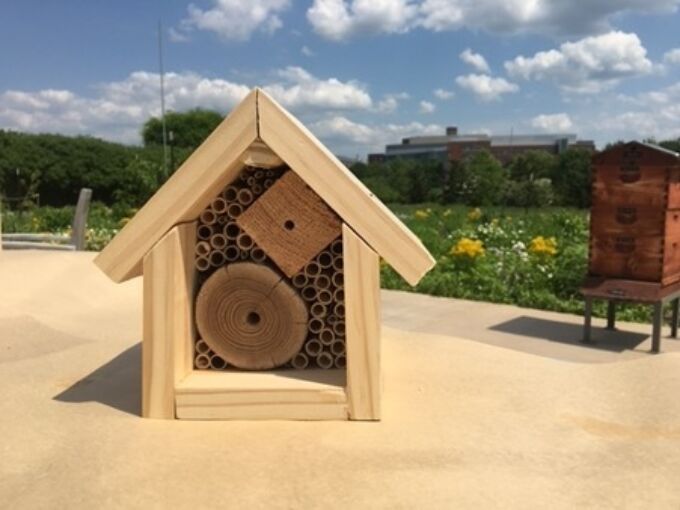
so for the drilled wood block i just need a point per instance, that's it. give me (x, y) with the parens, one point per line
(290, 223)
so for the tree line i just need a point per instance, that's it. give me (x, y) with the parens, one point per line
(55, 168)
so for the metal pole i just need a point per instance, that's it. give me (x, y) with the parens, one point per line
(162, 76)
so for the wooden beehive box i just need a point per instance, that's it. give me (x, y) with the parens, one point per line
(635, 216)
(260, 258)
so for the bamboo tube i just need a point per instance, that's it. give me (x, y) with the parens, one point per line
(324, 360)
(230, 193)
(339, 295)
(318, 310)
(325, 259)
(245, 255)
(336, 247)
(259, 174)
(234, 210)
(312, 269)
(340, 362)
(202, 361)
(203, 232)
(202, 347)
(250, 180)
(202, 248)
(339, 309)
(231, 230)
(232, 253)
(257, 189)
(268, 183)
(222, 219)
(219, 205)
(338, 263)
(245, 196)
(244, 241)
(300, 280)
(331, 320)
(315, 325)
(300, 361)
(322, 282)
(339, 328)
(258, 254)
(326, 336)
(269, 173)
(218, 241)
(208, 217)
(338, 279)
(338, 347)
(308, 293)
(217, 258)
(324, 296)
(244, 175)
(313, 347)
(202, 263)
(217, 363)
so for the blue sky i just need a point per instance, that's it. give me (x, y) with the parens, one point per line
(359, 73)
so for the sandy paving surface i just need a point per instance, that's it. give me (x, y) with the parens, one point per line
(467, 424)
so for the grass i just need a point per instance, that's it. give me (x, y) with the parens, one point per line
(535, 258)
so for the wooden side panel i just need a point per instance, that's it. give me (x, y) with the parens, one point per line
(622, 219)
(627, 256)
(265, 411)
(362, 301)
(647, 187)
(674, 187)
(342, 191)
(168, 322)
(213, 165)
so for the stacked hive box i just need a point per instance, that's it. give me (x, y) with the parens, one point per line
(635, 218)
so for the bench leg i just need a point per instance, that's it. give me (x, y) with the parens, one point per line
(674, 320)
(587, 321)
(656, 327)
(611, 314)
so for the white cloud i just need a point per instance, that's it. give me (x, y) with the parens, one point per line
(339, 19)
(307, 52)
(342, 19)
(426, 107)
(300, 90)
(589, 65)
(553, 123)
(178, 36)
(477, 61)
(444, 95)
(343, 133)
(672, 56)
(118, 109)
(486, 88)
(235, 19)
(390, 102)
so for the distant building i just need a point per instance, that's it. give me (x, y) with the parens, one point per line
(455, 147)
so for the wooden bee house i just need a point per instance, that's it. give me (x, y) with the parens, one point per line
(260, 259)
(635, 216)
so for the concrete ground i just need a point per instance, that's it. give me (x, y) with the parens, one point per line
(485, 406)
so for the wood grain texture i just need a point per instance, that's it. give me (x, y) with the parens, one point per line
(262, 395)
(342, 191)
(362, 325)
(167, 345)
(260, 156)
(290, 223)
(213, 165)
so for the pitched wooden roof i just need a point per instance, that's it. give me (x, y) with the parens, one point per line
(260, 120)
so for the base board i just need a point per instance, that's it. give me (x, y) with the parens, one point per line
(275, 395)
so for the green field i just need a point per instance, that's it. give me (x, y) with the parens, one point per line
(533, 258)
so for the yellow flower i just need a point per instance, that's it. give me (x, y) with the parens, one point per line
(421, 215)
(448, 212)
(495, 221)
(543, 246)
(466, 247)
(474, 214)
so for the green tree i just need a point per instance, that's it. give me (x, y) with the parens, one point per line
(532, 165)
(481, 181)
(671, 145)
(189, 129)
(571, 178)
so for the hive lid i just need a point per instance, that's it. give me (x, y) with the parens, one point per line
(261, 120)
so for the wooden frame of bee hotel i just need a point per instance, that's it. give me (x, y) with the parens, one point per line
(260, 258)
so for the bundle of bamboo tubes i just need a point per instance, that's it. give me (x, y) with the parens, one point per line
(205, 358)
(321, 285)
(220, 239)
